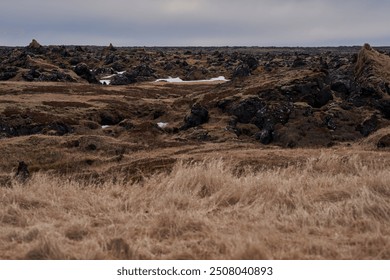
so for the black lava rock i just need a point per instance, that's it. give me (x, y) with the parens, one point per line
(198, 116)
(265, 136)
(368, 126)
(84, 72)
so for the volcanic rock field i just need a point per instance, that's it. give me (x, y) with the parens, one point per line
(90, 110)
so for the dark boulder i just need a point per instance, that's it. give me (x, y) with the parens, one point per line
(368, 126)
(265, 136)
(369, 91)
(111, 58)
(246, 110)
(84, 72)
(384, 106)
(196, 74)
(74, 61)
(248, 64)
(199, 115)
(264, 118)
(31, 75)
(252, 62)
(340, 86)
(241, 70)
(7, 73)
(322, 97)
(319, 97)
(144, 71)
(224, 103)
(124, 79)
(22, 173)
(140, 73)
(270, 115)
(329, 122)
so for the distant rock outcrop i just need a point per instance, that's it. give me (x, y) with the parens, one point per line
(34, 45)
(111, 48)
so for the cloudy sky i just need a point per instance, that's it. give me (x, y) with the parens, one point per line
(195, 22)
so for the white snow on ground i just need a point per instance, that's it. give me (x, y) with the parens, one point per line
(220, 78)
(105, 126)
(105, 81)
(162, 124)
(178, 80)
(108, 77)
(170, 80)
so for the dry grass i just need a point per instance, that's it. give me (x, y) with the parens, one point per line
(330, 207)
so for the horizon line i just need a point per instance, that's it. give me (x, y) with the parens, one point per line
(196, 46)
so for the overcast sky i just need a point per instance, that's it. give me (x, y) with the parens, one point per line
(195, 22)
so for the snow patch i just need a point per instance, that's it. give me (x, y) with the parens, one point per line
(105, 81)
(105, 126)
(178, 80)
(108, 77)
(162, 124)
(170, 80)
(220, 78)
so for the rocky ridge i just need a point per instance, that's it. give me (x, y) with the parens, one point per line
(311, 97)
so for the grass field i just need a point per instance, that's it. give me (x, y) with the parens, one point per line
(329, 206)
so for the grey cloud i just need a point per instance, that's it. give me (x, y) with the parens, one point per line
(195, 22)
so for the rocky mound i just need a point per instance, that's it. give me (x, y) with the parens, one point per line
(373, 76)
(373, 72)
(34, 45)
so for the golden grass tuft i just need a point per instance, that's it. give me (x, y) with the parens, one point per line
(329, 207)
(47, 249)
